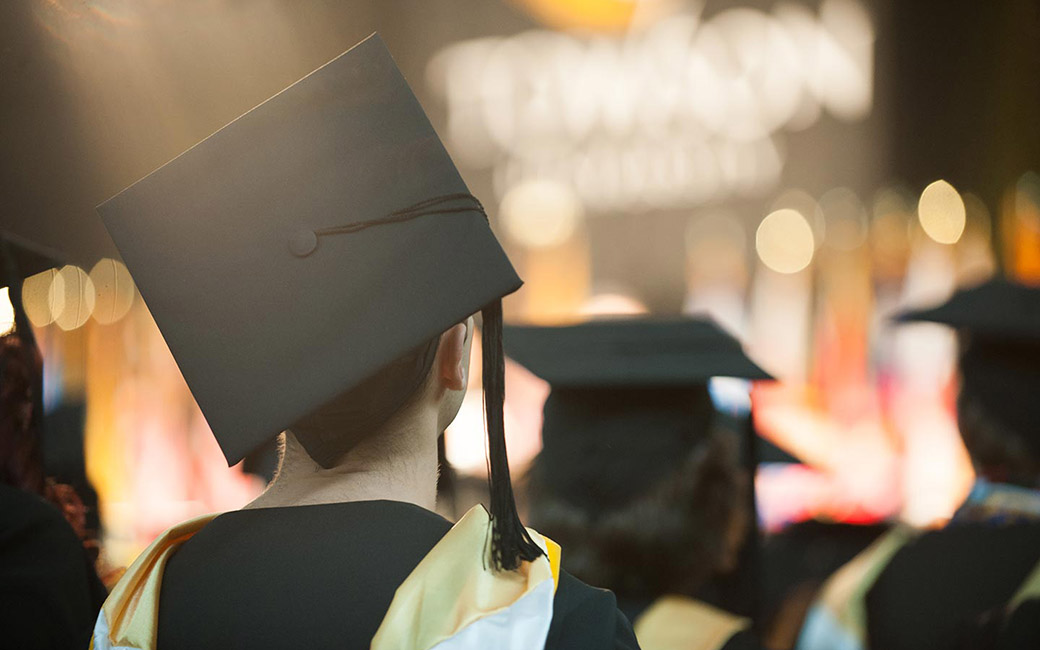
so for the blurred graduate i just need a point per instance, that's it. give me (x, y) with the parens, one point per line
(50, 593)
(976, 582)
(634, 473)
(315, 268)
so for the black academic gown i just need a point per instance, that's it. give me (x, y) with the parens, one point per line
(49, 592)
(938, 590)
(323, 576)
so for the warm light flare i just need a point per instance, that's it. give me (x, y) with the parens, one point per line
(6, 312)
(114, 290)
(941, 212)
(72, 295)
(39, 301)
(541, 213)
(784, 241)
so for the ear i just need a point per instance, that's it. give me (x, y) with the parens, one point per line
(453, 356)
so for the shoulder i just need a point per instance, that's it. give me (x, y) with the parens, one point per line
(45, 581)
(945, 578)
(586, 617)
(32, 525)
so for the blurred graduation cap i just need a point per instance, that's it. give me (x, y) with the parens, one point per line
(631, 353)
(628, 400)
(997, 309)
(999, 324)
(307, 245)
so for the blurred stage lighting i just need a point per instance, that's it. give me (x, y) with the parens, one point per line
(784, 241)
(38, 299)
(845, 217)
(541, 213)
(941, 212)
(114, 290)
(6, 312)
(72, 296)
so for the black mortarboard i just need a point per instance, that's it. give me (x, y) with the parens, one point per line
(304, 246)
(631, 353)
(999, 321)
(996, 309)
(628, 400)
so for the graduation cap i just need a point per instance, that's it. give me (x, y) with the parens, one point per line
(628, 400)
(303, 247)
(999, 324)
(995, 309)
(629, 407)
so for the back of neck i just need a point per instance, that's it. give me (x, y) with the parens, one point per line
(397, 463)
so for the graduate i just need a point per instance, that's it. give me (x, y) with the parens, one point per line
(634, 474)
(50, 593)
(976, 582)
(315, 268)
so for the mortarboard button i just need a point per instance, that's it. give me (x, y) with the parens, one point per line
(303, 243)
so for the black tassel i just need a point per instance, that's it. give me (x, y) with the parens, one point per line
(510, 542)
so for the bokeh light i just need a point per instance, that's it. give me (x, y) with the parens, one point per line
(74, 292)
(605, 305)
(941, 212)
(541, 213)
(784, 241)
(113, 290)
(39, 301)
(845, 218)
(805, 204)
(6, 312)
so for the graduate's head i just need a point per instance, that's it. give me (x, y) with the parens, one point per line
(426, 384)
(998, 327)
(635, 478)
(641, 487)
(998, 412)
(21, 368)
(313, 267)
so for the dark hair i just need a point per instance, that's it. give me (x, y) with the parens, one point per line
(331, 431)
(997, 407)
(339, 426)
(21, 457)
(21, 460)
(669, 538)
(998, 452)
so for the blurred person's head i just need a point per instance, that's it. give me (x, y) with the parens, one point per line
(21, 454)
(636, 478)
(641, 487)
(21, 463)
(998, 405)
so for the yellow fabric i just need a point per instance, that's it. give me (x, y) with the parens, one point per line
(554, 553)
(454, 586)
(844, 593)
(1030, 589)
(132, 608)
(680, 623)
